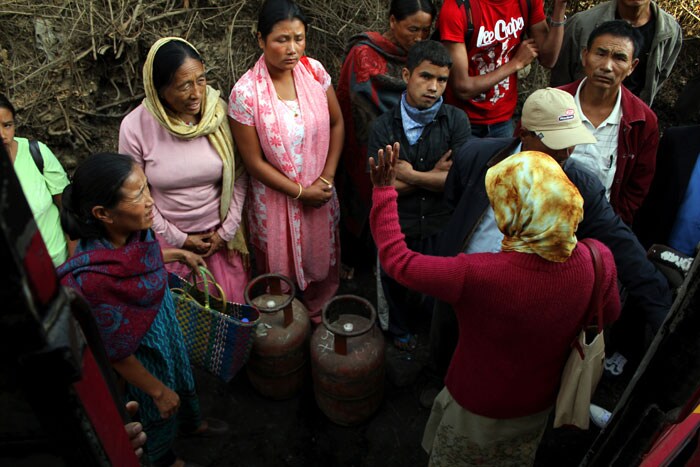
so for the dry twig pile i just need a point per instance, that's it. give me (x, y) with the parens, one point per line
(73, 67)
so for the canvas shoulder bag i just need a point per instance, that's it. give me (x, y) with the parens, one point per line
(584, 367)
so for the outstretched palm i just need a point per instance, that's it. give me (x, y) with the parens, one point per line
(383, 170)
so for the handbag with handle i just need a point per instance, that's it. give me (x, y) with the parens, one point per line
(584, 366)
(218, 334)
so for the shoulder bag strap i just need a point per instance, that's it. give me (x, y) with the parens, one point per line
(594, 305)
(35, 151)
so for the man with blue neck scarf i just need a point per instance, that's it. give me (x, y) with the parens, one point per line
(428, 131)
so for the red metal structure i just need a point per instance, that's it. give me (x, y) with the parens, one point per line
(56, 386)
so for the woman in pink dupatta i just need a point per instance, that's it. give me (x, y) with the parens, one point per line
(288, 128)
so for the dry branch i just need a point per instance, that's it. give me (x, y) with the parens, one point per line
(73, 84)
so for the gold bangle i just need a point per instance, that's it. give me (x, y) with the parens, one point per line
(326, 181)
(301, 189)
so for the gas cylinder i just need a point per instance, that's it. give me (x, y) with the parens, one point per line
(278, 360)
(347, 360)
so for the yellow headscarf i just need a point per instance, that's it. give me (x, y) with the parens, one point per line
(213, 124)
(536, 206)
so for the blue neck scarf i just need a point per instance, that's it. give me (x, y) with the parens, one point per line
(415, 120)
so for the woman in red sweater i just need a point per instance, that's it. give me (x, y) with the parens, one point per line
(518, 310)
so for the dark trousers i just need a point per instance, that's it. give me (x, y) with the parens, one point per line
(631, 334)
(495, 130)
(444, 333)
(405, 304)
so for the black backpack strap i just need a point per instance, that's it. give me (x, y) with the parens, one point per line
(470, 24)
(525, 8)
(36, 155)
(528, 4)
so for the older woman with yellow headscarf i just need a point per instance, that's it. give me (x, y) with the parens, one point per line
(180, 136)
(518, 309)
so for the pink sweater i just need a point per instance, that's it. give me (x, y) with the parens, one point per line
(184, 177)
(518, 314)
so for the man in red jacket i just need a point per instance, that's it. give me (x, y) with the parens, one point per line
(624, 158)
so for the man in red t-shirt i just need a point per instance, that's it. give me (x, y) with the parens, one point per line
(485, 40)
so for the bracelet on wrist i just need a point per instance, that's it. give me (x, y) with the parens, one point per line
(301, 189)
(325, 181)
(556, 24)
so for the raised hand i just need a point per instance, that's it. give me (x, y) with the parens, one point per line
(382, 171)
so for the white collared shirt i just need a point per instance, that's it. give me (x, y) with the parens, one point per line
(600, 158)
(487, 238)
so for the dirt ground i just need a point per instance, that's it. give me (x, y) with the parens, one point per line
(296, 433)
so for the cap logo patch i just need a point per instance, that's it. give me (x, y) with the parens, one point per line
(568, 115)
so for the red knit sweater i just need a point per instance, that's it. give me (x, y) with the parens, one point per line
(518, 313)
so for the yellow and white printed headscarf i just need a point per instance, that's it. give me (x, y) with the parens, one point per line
(536, 206)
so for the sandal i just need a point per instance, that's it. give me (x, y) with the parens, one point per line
(346, 272)
(408, 342)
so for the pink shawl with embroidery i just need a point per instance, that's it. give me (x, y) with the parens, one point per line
(308, 231)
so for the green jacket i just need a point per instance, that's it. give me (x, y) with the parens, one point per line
(664, 49)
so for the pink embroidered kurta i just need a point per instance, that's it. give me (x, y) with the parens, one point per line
(299, 241)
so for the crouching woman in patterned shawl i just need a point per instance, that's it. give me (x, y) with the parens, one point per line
(119, 269)
(288, 128)
(518, 310)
